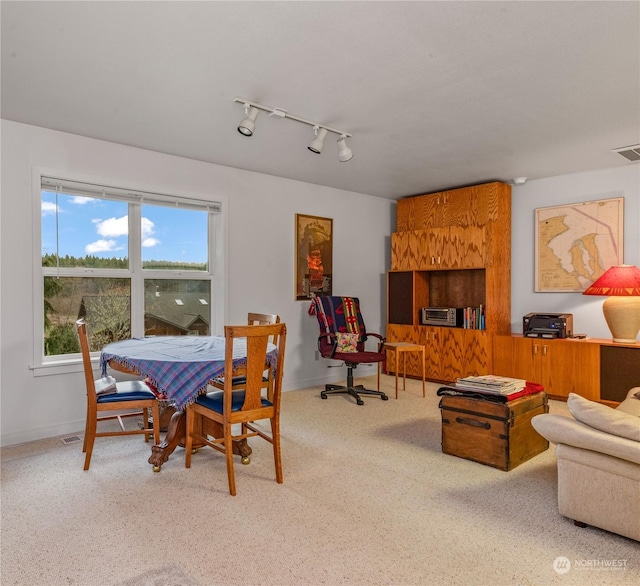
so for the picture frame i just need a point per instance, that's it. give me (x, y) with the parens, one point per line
(313, 256)
(576, 243)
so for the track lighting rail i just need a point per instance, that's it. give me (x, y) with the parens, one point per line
(280, 113)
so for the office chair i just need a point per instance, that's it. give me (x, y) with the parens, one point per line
(342, 337)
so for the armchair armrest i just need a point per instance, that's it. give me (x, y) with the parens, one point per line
(559, 429)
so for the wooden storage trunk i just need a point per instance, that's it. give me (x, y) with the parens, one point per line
(496, 434)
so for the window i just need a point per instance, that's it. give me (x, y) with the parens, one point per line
(131, 263)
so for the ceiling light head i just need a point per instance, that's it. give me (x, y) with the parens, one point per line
(316, 144)
(344, 152)
(248, 125)
(519, 180)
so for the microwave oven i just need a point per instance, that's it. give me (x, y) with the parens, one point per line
(442, 316)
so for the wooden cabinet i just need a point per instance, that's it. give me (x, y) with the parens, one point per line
(562, 366)
(452, 249)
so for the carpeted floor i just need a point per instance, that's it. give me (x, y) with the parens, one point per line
(368, 498)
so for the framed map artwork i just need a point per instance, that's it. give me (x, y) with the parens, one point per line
(314, 256)
(576, 243)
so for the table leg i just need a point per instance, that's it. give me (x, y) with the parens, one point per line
(424, 394)
(397, 356)
(175, 437)
(404, 371)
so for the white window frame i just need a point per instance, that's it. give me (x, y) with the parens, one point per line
(217, 267)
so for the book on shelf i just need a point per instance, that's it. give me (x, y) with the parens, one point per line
(489, 383)
(473, 318)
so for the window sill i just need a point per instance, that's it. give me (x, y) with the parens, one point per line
(61, 367)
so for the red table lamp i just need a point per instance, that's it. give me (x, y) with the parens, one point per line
(621, 284)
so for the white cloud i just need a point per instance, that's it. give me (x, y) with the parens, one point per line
(79, 200)
(48, 208)
(113, 227)
(148, 229)
(102, 246)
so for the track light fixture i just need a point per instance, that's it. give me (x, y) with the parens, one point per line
(251, 110)
(344, 152)
(317, 144)
(248, 125)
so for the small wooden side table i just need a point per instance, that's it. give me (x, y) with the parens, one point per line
(401, 348)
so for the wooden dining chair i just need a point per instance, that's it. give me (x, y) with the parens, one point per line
(244, 406)
(253, 319)
(122, 397)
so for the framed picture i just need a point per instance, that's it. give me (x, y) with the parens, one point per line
(314, 256)
(576, 243)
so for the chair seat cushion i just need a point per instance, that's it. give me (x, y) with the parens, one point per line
(359, 357)
(237, 380)
(134, 390)
(214, 401)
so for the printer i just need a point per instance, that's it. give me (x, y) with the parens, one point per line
(547, 325)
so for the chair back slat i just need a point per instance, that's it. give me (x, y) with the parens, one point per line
(264, 319)
(257, 338)
(86, 359)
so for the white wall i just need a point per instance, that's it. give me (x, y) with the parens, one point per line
(261, 212)
(260, 256)
(586, 309)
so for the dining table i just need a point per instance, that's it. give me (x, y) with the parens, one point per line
(178, 369)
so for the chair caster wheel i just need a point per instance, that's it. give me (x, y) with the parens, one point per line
(156, 468)
(246, 460)
(384, 398)
(194, 450)
(323, 396)
(360, 402)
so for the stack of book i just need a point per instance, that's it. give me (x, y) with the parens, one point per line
(489, 383)
(473, 318)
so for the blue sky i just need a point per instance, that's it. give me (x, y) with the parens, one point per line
(99, 227)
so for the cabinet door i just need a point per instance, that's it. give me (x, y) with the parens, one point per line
(463, 248)
(571, 366)
(526, 359)
(454, 352)
(478, 355)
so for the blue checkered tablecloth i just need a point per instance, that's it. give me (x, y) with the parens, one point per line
(180, 367)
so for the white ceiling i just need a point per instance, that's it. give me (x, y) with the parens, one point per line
(436, 94)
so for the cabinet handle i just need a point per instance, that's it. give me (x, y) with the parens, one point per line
(535, 348)
(439, 260)
(544, 350)
(433, 260)
(438, 200)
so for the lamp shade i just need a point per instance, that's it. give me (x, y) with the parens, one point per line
(621, 281)
(621, 285)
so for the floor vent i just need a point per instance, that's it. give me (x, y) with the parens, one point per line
(631, 153)
(72, 439)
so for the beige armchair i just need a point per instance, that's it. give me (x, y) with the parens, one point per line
(598, 456)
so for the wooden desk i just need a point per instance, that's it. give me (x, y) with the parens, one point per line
(401, 348)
